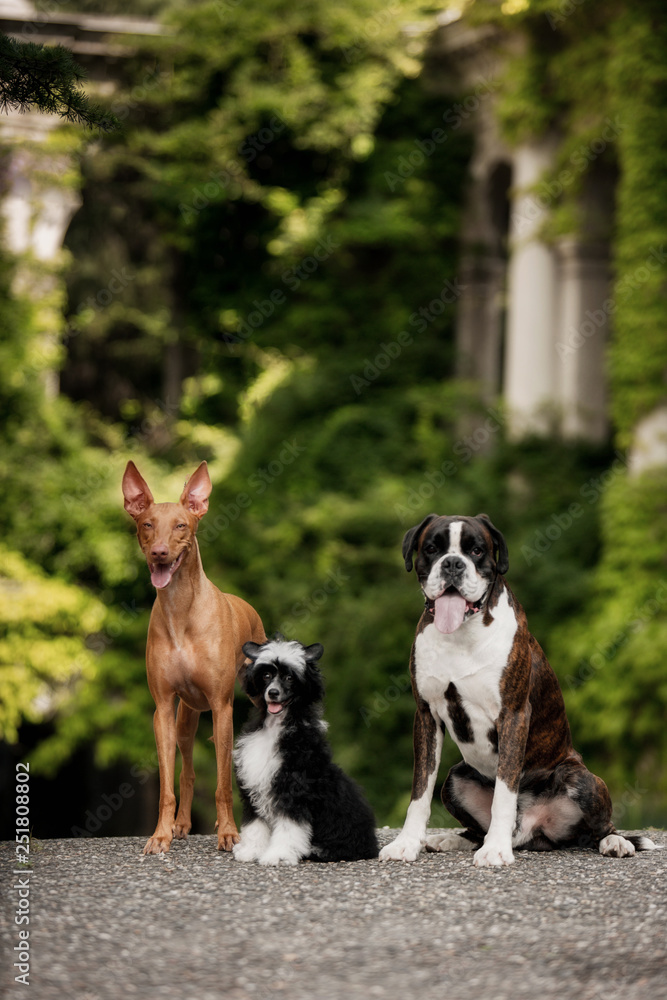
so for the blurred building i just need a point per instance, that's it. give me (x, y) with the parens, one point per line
(534, 316)
(534, 313)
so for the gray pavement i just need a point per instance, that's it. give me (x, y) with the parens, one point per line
(194, 924)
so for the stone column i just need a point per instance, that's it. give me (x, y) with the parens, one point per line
(479, 321)
(530, 372)
(584, 313)
(35, 216)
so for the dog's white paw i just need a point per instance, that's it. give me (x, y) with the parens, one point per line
(245, 852)
(615, 846)
(255, 837)
(450, 840)
(401, 849)
(493, 855)
(271, 859)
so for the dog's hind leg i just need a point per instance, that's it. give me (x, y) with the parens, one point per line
(468, 797)
(186, 727)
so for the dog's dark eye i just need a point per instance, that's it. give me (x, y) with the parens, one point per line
(147, 524)
(267, 675)
(181, 525)
(287, 680)
(430, 548)
(477, 551)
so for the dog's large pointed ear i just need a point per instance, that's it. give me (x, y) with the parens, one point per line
(411, 539)
(251, 650)
(138, 497)
(314, 652)
(197, 490)
(501, 555)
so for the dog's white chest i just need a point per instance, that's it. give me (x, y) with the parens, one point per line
(459, 675)
(257, 760)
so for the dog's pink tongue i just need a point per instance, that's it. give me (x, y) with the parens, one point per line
(274, 707)
(160, 576)
(450, 611)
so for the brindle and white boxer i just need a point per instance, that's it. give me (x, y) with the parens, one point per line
(478, 673)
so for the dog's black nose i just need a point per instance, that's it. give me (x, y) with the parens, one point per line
(453, 565)
(273, 694)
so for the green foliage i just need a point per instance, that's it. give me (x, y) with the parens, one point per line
(43, 625)
(47, 79)
(614, 655)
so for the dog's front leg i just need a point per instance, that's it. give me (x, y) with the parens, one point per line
(512, 735)
(164, 725)
(223, 737)
(427, 737)
(290, 842)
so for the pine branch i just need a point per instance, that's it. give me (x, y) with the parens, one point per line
(47, 79)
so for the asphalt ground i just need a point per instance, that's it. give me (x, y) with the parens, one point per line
(194, 924)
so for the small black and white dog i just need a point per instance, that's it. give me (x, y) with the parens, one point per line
(297, 804)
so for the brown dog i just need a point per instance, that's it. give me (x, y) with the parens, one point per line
(194, 650)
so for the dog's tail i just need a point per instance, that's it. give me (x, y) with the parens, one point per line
(642, 843)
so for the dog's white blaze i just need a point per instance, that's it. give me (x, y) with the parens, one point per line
(256, 760)
(290, 842)
(473, 586)
(455, 530)
(290, 653)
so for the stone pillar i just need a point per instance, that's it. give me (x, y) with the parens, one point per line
(479, 321)
(35, 216)
(530, 372)
(583, 326)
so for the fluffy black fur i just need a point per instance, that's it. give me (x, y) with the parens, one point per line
(306, 787)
